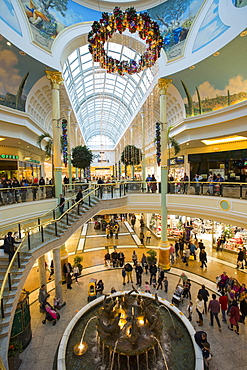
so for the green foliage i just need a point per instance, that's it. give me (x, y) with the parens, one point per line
(199, 101)
(82, 156)
(227, 232)
(14, 348)
(151, 258)
(172, 142)
(131, 156)
(58, 5)
(189, 98)
(77, 262)
(48, 145)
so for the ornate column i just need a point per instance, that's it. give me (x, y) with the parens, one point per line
(164, 255)
(42, 271)
(56, 80)
(58, 275)
(143, 148)
(68, 111)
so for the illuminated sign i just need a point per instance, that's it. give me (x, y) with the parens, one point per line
(8, 156)
(177, 160)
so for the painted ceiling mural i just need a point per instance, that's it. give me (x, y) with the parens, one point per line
(211, 28)
(217, 87)
(8, 15)
(18, 73)
(175, 18)
(239, 3)
(48, 18)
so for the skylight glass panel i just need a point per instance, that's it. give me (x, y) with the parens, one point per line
(72, 57)
(87, 65)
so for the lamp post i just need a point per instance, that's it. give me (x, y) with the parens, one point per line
(164, 253)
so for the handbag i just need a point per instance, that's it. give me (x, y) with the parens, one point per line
(191, 257)
(233, 321)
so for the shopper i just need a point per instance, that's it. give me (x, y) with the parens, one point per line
(200, 338)
(139, 272)
(240, 259)
(121, 258)
(207, 356)
(234, 317)
(203, 258)
(223, 300)
(108, 260)
(134, 258)
(43, 295)
(114, 258)
(177, 249)
(144, 262)
(148, 236)
(100, 287)
(187, 255)
(128, 268)
(172, 251)
(123, 275)
(153, 271)
(199, 309)
(190, 310)
(141, 237)
(192, 249)
(153, 184)
(8, 245)
(147, 287)
(61, 203)
(160, 278)
(76, 272)
(243, 309)
(67, 269)
(51, 269)
(165, 284)
(181, 247)
(184, 278)
(204, 293)
(214, 309)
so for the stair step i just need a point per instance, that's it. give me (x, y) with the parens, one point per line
(4, 332)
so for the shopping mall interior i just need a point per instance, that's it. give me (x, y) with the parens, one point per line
(123, 160)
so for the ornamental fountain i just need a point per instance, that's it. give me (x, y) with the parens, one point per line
(129, 331)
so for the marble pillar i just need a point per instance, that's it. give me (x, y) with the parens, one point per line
(68, 111)
(164, 254)
(58, 275)
(56, 80)
(42, 270)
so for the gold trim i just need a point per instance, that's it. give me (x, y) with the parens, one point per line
(228, 205)
(163, 84)
(55, 78)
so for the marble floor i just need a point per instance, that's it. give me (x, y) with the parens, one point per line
(229, 350)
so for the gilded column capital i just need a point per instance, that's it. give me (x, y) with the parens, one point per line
(163, 84)
(55, 78)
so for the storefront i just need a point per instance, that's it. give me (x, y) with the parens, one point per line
(232, 164)
(11, 166)
(176, 167)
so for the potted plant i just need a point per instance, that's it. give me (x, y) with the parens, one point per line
(77, 262)
(151, 258)
(13, 355)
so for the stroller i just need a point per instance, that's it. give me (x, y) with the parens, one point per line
(178, 295)
(50, 314)
(92, 294)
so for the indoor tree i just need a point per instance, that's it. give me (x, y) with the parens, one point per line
(131, 156)
(82, 157)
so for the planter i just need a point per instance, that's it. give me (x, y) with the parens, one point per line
(14, 362)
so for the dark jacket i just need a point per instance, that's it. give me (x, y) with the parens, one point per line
(128, 267)
(243, 307)
(153, 269)
(139, 270)
(204, 293)
(65, 268)
(203, 256)
(161, 276)
(8, 245)
(199, 340)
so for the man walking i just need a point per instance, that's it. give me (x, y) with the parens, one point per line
(8, 245)
(153, 272)
(214, 308)
(204, 293)
(139, 271)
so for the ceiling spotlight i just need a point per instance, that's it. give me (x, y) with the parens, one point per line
(192, 67)
(8, 43)
(187, 143)
(22, 52)
(216, 53)
(244, 33)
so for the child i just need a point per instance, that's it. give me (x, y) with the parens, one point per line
(190, 309)
(207, 355)
(165, 284)
(154, 282)
(147, 287)
(123, 275)
(56, 302)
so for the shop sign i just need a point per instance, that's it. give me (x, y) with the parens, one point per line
(176, 160)
(9, 156)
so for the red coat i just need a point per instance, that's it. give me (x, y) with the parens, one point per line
(234, 312)
(223, 302)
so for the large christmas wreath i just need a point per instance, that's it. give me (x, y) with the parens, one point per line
(120, 21)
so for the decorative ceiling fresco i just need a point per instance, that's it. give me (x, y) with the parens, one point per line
(239, 3)
(8, 15)
(175, 18)
(18, 73)
(48, 18)
(209, 86)
(211, 27)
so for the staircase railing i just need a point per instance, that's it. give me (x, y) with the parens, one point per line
(26, 244)
(18, 228)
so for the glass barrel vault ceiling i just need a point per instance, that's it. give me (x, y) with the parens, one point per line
(104, 103)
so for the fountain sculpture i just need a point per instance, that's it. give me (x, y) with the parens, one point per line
(129, 331)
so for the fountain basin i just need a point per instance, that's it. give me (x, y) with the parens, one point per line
(178, 345)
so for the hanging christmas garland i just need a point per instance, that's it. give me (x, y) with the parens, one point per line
(147, 29)
(158, 143)
(64, 142)
(131, 156)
